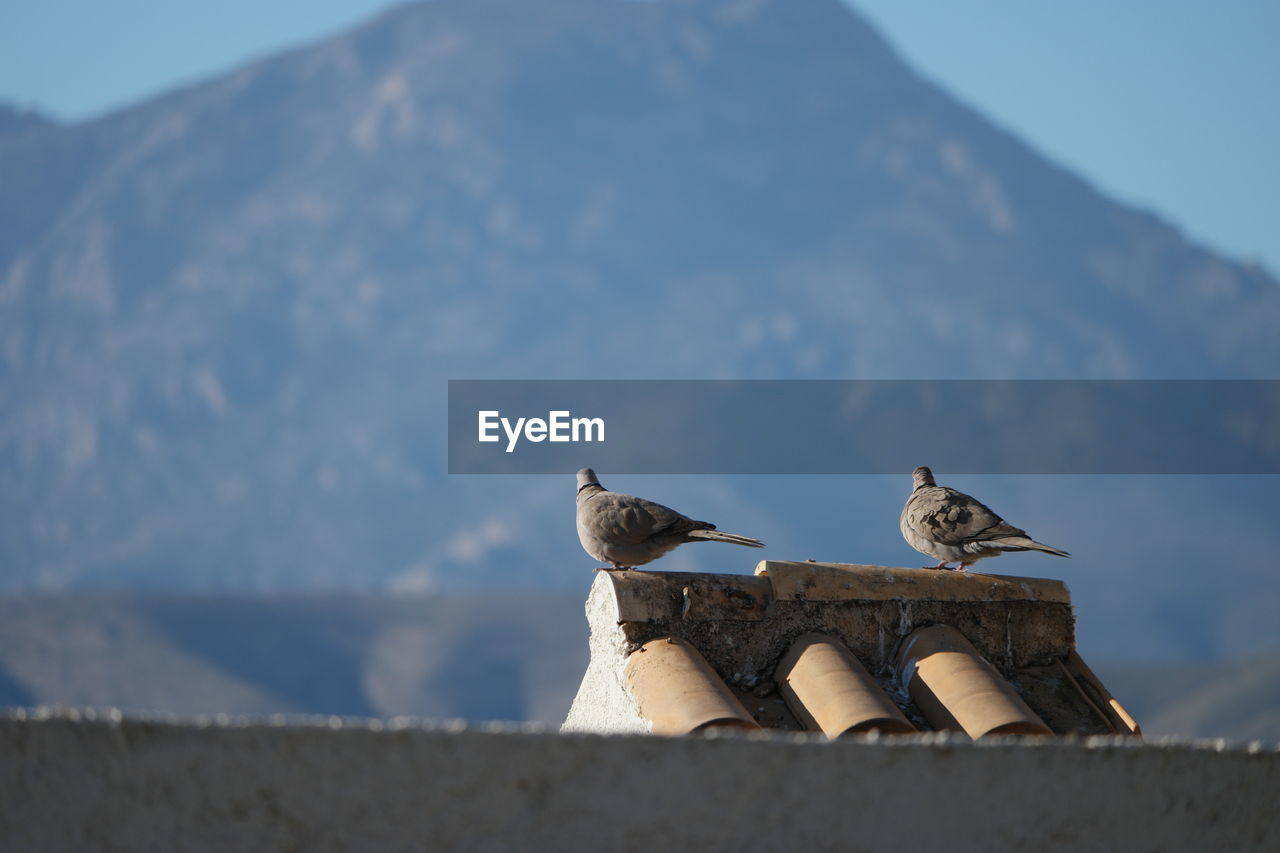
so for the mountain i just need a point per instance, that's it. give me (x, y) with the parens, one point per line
(228, 314)
(18, 122)
(479, 658)
(1237, 700)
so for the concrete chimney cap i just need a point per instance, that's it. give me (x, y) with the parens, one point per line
(838, 649)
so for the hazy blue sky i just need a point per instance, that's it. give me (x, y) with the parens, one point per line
(1168, 104)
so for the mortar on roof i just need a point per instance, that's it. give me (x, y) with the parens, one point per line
(743, 625)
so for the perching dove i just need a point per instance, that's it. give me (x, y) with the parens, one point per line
(626, 531)
(953, 527)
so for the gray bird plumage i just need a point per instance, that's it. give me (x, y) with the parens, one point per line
(952, 527)
(626, 531)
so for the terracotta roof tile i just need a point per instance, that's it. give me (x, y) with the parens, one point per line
(839, 649)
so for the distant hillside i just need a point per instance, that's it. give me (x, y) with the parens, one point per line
(227, 315)
(1239, 700)
(500, 657)
(17, 122)
(491, 658)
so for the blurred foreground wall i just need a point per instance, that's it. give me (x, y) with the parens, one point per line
(71, 782)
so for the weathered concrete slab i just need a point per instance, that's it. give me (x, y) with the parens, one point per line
(69, 783)
(700, 597)
(846, 581)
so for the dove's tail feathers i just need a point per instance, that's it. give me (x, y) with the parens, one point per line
(717, 536)
(1026, 543)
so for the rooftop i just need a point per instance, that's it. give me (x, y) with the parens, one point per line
(840, 649)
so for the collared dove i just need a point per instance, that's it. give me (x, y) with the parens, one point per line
(953, 527)
(626, 531)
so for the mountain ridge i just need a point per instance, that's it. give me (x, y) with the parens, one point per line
(229, 312)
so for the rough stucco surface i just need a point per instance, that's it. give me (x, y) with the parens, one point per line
(603, 703)
(71, 783)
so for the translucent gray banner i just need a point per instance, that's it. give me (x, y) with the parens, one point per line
(864, 427)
